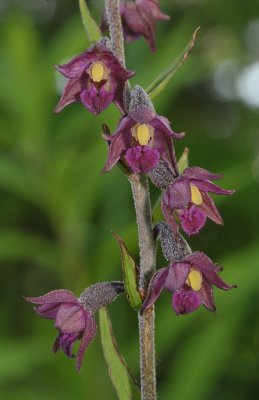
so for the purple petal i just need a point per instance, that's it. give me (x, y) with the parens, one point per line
(200, 174)
(70, 94)
(192, 220)
(118, 97)
(88, 336)
(207, 186)
(177, 276)
(56, 296)
(116, 148)
(156, 286)
(206, 293)
(208, 206)
(70, 319)
(162, 124)
(178, 195)
(164, 145)
(119, 142)
(135, 23)
(213, 278)
(56, 344)
(169, 216)
(153, 7)
(186, 301)
(139, 19)
(75, 67)
(66, 344)
(117, 71)
(142, 115)
(201, 261)
(48, 311)
(142, 159)
(96, 100)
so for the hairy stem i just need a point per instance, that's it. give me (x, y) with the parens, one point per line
(140, 190)
(115, 28)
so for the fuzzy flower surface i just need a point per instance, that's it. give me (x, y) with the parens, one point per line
(190, 281)
(142, 138)
(139, 18)
(96, 78)
(74, 317)
(187, 199)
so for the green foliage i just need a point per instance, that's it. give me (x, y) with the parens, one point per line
(157, 214)
(161, 82)
(130, 274)
(183, 161)
(121, 378)
(91, 28)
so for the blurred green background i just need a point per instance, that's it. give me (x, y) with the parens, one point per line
(56, 210)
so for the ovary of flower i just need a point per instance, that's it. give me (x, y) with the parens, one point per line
(194, 279)
(196, 195)
(98, 72)
(142, 133)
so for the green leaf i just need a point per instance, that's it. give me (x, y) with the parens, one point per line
(122, 380)
(157, 214)
(183, 161)
(130, 274)
(157, 86)
(91, 27)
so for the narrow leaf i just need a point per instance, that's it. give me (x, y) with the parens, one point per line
(122, 380)
(156, 87)
(183, 161)
(91, 27)
(130, 274)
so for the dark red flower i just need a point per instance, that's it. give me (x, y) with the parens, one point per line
(190, 280)
(96, 78)
(139, 18)
(142, 138)
(187, 198)
(74, 316)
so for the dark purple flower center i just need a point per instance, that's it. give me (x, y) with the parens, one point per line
(192, 219)
(65, 342)
(185, 301)
(142, 159)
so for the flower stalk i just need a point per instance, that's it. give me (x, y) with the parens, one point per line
(140, 191)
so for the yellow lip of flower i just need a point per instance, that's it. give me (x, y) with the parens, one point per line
(196, 196)
(194, 279)
(98, 72)
(142, 133)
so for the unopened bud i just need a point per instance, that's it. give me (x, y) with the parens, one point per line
(174, 246)
(99, 295)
